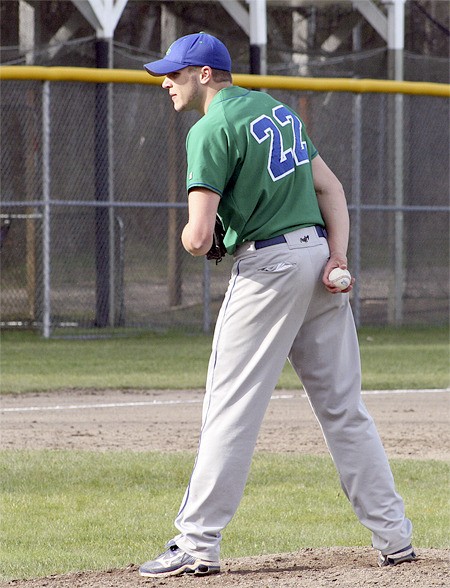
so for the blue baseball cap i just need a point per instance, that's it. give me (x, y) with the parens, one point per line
(197, 49)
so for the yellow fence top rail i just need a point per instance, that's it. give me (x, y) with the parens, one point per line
(130, 76)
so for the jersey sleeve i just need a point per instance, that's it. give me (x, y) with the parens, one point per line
(209, 158)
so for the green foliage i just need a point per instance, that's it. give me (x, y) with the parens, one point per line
(391, 359)
(68, 510)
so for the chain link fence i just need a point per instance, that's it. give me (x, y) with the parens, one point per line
(93, 203)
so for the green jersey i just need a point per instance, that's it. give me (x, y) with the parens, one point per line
(253, 151)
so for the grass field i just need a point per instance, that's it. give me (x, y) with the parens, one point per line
(70, 510)
(75, 510)
(391, 358)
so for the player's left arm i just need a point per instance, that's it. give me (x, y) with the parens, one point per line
(333, 206)
(197, 235)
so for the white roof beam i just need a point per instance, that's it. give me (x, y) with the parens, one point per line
(27, 30)
(88, 10)
(102, 15)
(64, 33)
(374, 15)
(334, 41)
(238, 13)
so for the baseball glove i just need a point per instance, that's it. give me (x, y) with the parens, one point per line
(217, 251)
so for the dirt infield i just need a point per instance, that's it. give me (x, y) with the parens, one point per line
(412, 424)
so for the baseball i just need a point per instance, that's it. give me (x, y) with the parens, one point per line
(340, 278)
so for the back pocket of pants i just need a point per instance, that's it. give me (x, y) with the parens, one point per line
(277, 268)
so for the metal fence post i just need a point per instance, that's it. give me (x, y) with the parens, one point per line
(120, 282)
(46, 259)
(396, 14)
(102, 192)
(356, 191)
(111, 211)
(399, 227)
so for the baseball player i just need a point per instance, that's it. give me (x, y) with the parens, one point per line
(285, 221)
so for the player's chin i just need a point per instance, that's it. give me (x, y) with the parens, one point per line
(180, 106)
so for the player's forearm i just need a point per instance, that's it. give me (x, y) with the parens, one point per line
(334, 210)
(197, 235)
(333, 206)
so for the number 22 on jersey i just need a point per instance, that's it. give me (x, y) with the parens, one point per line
(281, 162)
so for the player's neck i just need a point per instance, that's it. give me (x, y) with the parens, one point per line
(210, 93)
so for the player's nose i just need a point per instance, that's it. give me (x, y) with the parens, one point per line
(166, 83)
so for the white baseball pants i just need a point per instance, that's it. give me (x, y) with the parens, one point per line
(276, 307)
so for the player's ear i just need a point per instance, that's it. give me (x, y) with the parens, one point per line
(205, 74)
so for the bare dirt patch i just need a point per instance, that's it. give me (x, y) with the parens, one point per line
(307, 568)
(412, 425)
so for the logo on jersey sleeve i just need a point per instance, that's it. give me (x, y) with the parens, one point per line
(281, 162)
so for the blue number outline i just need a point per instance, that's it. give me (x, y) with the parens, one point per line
(281, 162)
